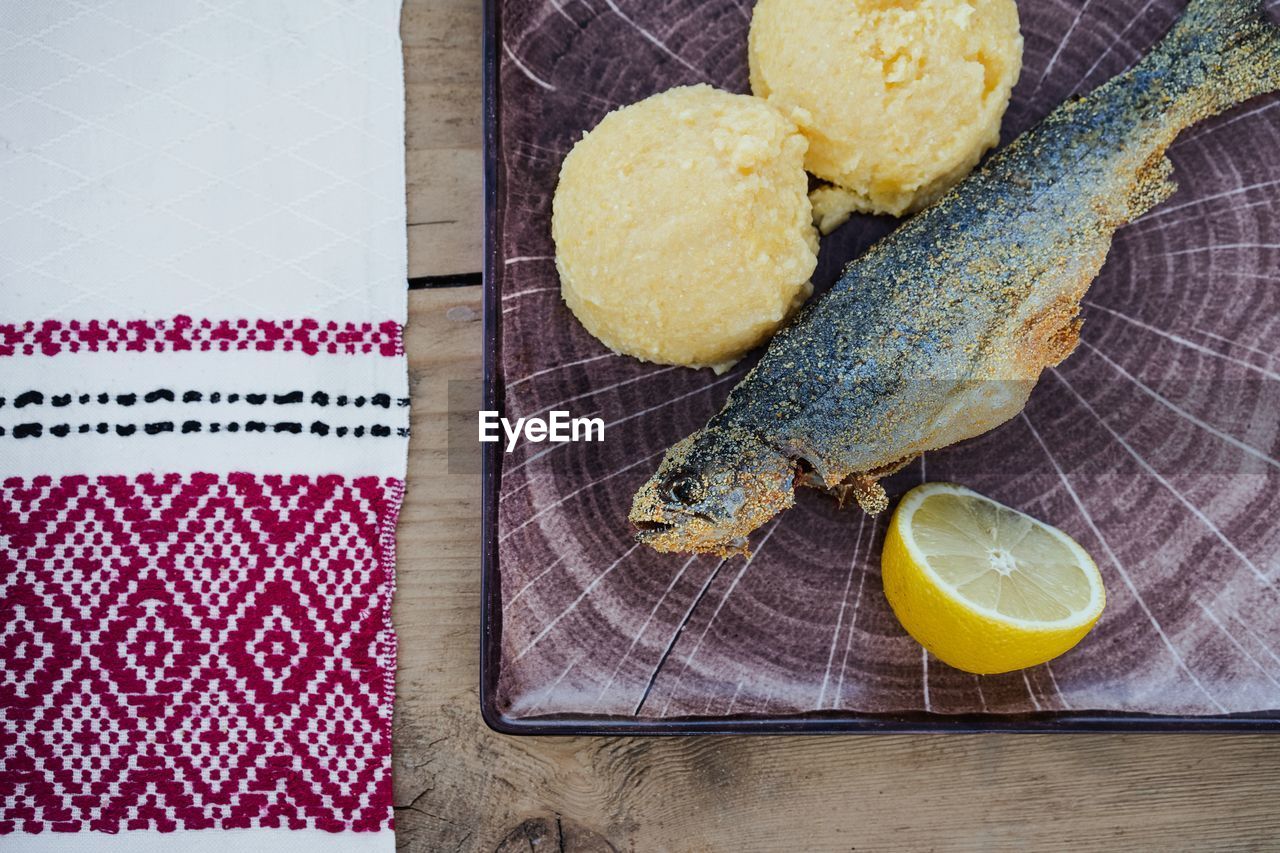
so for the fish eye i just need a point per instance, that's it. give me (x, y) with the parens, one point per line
(684, 488)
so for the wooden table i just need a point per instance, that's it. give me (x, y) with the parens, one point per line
(459, 786)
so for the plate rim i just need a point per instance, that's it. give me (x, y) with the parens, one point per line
(808, 722)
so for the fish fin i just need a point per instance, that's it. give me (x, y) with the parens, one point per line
(840, 491)
(1152, 186)
(1219, 54)
(866, 489)
(869, 494)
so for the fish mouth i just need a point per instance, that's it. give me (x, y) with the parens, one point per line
(649, 529)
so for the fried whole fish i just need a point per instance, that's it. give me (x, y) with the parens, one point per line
(941, 330)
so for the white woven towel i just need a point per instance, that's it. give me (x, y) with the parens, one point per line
(203, 422)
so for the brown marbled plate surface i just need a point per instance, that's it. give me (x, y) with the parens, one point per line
(1155, 445)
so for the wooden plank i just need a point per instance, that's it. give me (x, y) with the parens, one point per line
(443, 96)
(459, 786)
(446, 211)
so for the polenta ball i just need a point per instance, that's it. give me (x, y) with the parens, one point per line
(683, 229)
(899, 98)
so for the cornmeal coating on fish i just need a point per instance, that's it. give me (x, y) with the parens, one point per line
(940, 331)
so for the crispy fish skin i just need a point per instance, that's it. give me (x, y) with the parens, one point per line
(940, 331)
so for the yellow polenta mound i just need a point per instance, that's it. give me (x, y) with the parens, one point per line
(899, 98)
(682, 227)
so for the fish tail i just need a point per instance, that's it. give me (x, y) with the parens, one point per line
(1219, 54)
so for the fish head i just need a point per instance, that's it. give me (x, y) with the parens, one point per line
(711, 490)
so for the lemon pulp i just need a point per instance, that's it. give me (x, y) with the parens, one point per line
(984, 587)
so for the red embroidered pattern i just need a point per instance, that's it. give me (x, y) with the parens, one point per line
(182, 333)
(193, 652)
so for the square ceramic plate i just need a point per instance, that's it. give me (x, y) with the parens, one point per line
(1155, 445)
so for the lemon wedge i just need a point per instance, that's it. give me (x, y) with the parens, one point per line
(983, 587)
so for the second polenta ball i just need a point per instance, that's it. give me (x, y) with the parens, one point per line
(898, 98)
(683, 229)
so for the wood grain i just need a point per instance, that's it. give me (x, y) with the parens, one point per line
(442, 135)
(1155, 445)
(461, 787)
